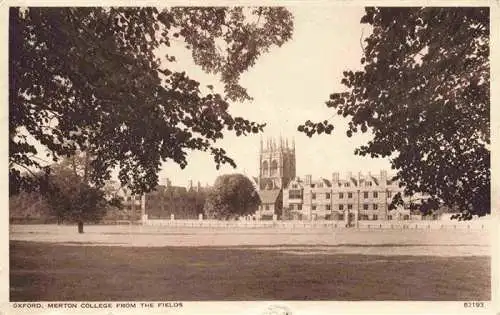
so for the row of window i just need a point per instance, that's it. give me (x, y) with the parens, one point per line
(347, 184)
(365, 207)
(297, 194)
(274, 171)
(341, 207)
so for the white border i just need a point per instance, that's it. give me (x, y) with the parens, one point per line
(258, 307)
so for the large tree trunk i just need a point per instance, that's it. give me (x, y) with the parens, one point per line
(80, 227)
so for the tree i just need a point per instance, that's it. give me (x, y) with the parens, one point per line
(70, 195)
(75, 201)
(231, 196)
(424, 93)
(88, 79)
(27, 206)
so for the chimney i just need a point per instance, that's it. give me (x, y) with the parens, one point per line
(335, 177)
(190, 185)
(383, 177)
(308, 180)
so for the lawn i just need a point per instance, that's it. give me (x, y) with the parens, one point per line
(54, 272)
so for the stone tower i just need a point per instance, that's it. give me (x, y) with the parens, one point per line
(277, 164)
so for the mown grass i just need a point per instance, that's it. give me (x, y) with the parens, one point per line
(54, 272)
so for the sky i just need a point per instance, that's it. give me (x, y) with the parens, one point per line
(290, 85)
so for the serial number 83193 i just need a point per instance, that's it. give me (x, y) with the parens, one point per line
(474, 304)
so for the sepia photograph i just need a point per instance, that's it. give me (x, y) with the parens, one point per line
(279, 155)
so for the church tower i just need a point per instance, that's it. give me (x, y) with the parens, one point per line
(277, 164)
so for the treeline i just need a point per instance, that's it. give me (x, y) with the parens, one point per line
(30, 207)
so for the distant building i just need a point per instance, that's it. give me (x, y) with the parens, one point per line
(352, 198)
(276, 170)
(163, 202)
(181, 202)
(132, 205)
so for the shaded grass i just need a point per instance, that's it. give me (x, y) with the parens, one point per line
(54, 272)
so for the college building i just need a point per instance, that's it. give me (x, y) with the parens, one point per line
(349, 198)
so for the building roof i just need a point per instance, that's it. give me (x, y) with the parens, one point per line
(269, 196)
(326, 182)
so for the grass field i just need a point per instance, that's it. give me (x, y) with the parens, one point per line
(52, 271)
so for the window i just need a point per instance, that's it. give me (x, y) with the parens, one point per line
(349, 207)
(341, 207)
(295, 194)
(349, 195)
(328, 207)
(365, 206)
(299, 206)
(375, 217)
(313, 195)
(327, 195)
(368, 183)
(137, 197)
(406, 217)
(291, 207)
(274, 168)
(389, 194)
(341, 195)
(313, 185)
(320, 185)
(365, 194)
(389, 217)
(266, 207)
(313, 207)
(265, 168)
(375, 194)
(375, 206)
(346, 185)
(294, 186)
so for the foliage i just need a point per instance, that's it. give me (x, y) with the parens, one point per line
(27, 206)
(424, 93)
(72, 200)
(63, 194)
(231, 196)
(88, 79)
(71, 197)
